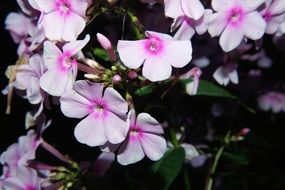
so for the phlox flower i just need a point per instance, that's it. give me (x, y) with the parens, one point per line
(157, 53)
(62, 20)
(190, 8)
(61, 66)
(188, 26)
(224, 74)
(24, 179)
(144, 138)
(105, 110)
(273, 101)
(235, 19)
(273, 14)
(192, 87)
(28, 78)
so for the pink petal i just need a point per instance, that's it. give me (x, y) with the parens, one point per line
(172, 8)
(36, 63)
(52, 77)
(132, 53)
(104, 41)
(161, 36)
(220, 5)
(203, 23)
(185, 32)
(177, 53)
(45, 6)
(277, 7)
(273, 25)
(192, 8)
(73, 26)
(51, 54)
(130, 152)
(79, 6)
(250, 6)
(151, 67)
(53, 25)
(74, 105)
(253, 26)
(116, 129)
(148, 124)
(221, 77)
(89, 90)
(231, 38)
(13, 183)
(18, 24)
(154, 146)
(217, 23)
(75, 46)
(116, 103)
(90, 131)
(28, 176)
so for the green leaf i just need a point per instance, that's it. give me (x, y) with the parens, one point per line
(168, 167)
(239, 159)
(101, 53)
(146, 90)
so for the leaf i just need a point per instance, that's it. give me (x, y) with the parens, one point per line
(168, 167)
(146, 90)
(239, 159)
(101, 53)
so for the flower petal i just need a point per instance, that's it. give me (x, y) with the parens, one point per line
(130, 152)
(132, 53)
(50, 54)
(231, 38)
(172, 8)
(254, 26)
(185, 32)
(73, 26)
(53, 25)
(74, 105)
(45, 6)
(79, 7)
(277, 7)
(220, 5)
(154, 146)
(90, 131)
(116, 103)
(116, 129)
(75, 46)
(148, 124)
(89, 90)
(217, 23)
(192, 8)
(156, 69)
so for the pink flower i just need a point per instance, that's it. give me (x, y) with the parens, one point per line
(224, 74)
(62, 67)
(28, 78)
(235, 19)
(273, 14)
(192, 87)
(157, 53)
(188, 26)
(190, 8)
(273, 101)
(24, 179)
(105, 110)
(144, 138)
(62, 19)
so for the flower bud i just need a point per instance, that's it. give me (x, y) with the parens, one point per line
(116, 79)
(132, 74)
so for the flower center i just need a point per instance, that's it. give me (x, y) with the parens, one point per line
(65, 61)
(63, 6)
(153, 45)
(235, 16)
(267, 16)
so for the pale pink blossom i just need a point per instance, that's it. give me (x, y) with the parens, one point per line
(106, 113)
(190, 8)
(192, 87)
(234, 20)
(24, 179)
(224, 74)
(273, 14)
(28, 78)
(144, 138)
(61, 66)
(188, 26)
(62, 20)
(157, 53)
(272, 101)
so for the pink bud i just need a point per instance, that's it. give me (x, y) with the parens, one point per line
(116, 79)
(132, 74)
(245, 131)
(104, 41)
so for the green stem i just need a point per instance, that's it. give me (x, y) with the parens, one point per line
(186, 179)
(173, 138)
(209, 185)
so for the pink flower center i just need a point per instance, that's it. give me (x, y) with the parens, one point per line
(235, 16)
(267, 16)
(65, 62)
(134, 133)
(98, 108)
(30, 187)
(153, 45)
(63, 6)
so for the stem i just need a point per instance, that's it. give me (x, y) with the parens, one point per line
(55, 152)
(173, 138)
(87, 69)
(186, 179)
(210, 182)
